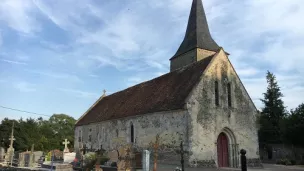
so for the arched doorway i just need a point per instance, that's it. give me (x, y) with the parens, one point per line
(222, 150)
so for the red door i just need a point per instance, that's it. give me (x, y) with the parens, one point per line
(222, 150)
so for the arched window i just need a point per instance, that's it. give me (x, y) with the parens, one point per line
(216, 93)
(79, 136)
(229, 94)
(90, 135)
(132, 133)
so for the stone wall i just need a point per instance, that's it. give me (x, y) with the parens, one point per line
(207, 120)
(171, 127)
(183, 60)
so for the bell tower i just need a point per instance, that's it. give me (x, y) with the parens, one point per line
(198, 42)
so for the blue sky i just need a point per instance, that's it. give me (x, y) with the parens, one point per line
(58, 56)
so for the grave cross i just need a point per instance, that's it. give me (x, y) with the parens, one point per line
(155, 147)
(65, 143)
(12, 139)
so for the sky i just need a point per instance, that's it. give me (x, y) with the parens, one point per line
(59, 56)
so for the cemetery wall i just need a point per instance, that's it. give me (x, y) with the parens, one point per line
(208, 120)
(170, 126)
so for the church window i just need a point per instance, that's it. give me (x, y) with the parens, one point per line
(90, 135)
(216, 92)
(132, 133)
(229, 94)
(116, 132)
(79, 136)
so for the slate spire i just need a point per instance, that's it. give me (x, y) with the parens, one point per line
(197, 34)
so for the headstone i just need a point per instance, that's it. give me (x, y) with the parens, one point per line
(2, 154)
(137, 162)
(113, 156)
(69, 157)
(146, 160)
(121, 164)
(38, 155)
(65, 143)
(25, 159)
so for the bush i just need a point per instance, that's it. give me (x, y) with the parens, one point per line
(113, 164)
(286, 162)
(103, 160)
(293, 162)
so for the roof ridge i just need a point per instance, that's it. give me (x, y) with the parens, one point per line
(164, 93)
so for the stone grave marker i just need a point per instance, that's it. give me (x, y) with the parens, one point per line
(2, 154)
(65, 143)
(113, 156)
(121, 164)
(146, 160)
(69, 157)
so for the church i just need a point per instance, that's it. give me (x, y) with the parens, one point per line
(200, 101)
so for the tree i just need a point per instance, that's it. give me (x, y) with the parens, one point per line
(295, 126)
(45, 134)
(273, 113)
(63, 128)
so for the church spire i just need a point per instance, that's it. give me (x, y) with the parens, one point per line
(197, 35)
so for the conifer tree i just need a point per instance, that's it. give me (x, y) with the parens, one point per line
(273, 113)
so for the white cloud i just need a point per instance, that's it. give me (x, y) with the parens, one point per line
(79, 93)
(94, 76)
(13, 62)
(19, 15)
(141, 36)
(291, 87)
(24, 87)
(56, 75)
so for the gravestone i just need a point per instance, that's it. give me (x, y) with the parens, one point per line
(137, 162)
(121, 164)
(113, 156)
(65, 143)
(38, 155)
(69, 157)
(2, 154)
(146, 160)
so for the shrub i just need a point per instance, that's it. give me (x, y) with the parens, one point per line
(293, 161)
(285, 162)
(113, 164)
(103, 160)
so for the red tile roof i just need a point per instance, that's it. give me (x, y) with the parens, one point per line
(164, 93)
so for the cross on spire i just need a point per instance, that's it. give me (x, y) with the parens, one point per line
(104, 93)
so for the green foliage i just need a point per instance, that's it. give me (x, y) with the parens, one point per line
(90, 160)
(46, 135)
(276, 124)
(273, 114)
(284, 162)
(295, 126)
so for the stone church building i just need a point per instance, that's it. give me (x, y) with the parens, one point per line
(201, 102)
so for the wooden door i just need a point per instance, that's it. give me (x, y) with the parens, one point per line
(222, 150)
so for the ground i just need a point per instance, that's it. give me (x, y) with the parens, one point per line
(267, 167)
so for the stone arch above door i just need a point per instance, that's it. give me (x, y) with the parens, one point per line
(232, 147)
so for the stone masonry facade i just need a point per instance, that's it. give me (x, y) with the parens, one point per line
(207, 120)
